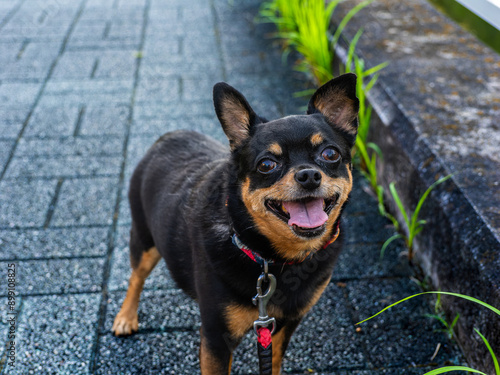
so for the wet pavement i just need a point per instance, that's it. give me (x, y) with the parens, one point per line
(86, 87)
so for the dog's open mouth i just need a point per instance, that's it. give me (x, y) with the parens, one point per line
(307, 217)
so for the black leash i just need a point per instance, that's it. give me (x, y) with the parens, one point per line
(261, 325)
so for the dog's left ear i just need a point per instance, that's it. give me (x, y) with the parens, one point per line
(337, 101)
(234, 113)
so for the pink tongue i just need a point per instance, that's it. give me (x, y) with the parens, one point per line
(306, 215)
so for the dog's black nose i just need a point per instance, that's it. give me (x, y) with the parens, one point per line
(309, 178)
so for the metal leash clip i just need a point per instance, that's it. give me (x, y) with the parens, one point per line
(262, 299)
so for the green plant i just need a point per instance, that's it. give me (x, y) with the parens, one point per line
(440, 317)
(413, 225)
(366, 163)
(304, 26)
(453, 368)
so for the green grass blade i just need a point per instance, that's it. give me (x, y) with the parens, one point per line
(347, 18)
(375, 148)
(351, 51)
(375, 69)
(395, 195)
(472, 299)
(421, 201)
(453, 368)
(384, 246)
(438, 318)
(493, 356)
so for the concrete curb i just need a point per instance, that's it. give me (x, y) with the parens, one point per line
(459, 249)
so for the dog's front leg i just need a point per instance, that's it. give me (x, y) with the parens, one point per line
(216, 352)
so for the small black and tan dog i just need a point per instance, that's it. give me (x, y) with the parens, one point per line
(280, 191)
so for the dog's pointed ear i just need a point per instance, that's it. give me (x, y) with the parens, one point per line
(234, 113)
(337, 101)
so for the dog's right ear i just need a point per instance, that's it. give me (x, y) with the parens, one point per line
(234, 113)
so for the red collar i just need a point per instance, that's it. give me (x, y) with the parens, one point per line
(257, 258)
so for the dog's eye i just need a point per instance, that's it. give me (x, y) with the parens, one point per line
(330, 154)
(267, 166)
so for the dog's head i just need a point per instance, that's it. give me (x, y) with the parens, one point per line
(294, 173)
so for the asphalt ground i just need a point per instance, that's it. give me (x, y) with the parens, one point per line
(85, 88)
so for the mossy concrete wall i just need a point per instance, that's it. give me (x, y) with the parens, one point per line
(437, 111)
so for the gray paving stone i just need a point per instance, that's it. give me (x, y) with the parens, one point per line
(121, 270)
(159, 310)
(5, 150)
(137, 148)
(56, 334)
(90, 91)
(156, 49)
(360, 260)
(69, 166)
(402, 336)
(86, 201)
(18, 94)
(116, 64)
(12, 120)
(154, 84)
(53, 120)
(52, 243)
(110, 119)
(70, 146)
(370, 228)
(57, 276)
(74, 65)
(208, 125)
(164, 111)
(154, 353)
(33, 61)
(24, 203)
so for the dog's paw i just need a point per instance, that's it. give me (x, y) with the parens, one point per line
(125, 324)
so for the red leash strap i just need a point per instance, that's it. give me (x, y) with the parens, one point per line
(265, 351)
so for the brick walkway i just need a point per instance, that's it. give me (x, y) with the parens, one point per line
(85, 88)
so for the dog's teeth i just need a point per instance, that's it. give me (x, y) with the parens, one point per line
(324, 204)
(283, 208)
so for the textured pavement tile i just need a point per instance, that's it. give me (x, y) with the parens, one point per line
(361, 260)
(51, 243)
(204, 124)
(124, 216)
(137, 148)
(86, 201)
(108, 119)
(369, 228)
(74, 65)
(56, 334)
(53, 120)
(154, 85)
(116, 64)
(153, 353)
(12, 119)
(121, 270)
(90, 91)
(24, 203)
(70, 146)
(5, 149)
(164, 111)
(18, 94)
(159, 310)
(33, 61)
(69, 166)
(57, 276)
(402, 336)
